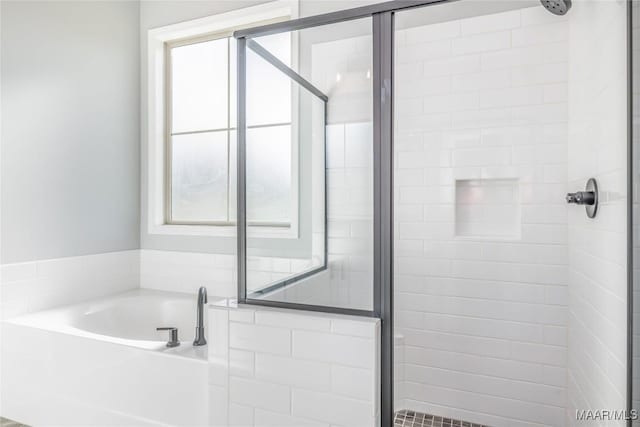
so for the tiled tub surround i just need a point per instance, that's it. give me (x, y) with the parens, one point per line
(33, 286)
(176, 271)
(186, 271)
(481, 259)
(277, 368)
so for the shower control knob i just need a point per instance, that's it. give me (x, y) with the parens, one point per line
(582, 198)
(588, 198)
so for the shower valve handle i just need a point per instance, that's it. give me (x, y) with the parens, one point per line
(588, 198)
(582, 197)
(173, 336)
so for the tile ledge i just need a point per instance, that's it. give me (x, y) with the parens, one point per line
(232, 304)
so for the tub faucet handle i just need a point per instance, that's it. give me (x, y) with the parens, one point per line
(173, 336)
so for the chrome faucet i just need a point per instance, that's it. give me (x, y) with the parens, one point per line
(202, 300)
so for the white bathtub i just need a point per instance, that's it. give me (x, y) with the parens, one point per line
(102, 363)
(130, 318)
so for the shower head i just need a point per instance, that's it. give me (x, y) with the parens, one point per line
(557, 7)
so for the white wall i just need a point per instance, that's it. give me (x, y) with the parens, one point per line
(597, 248)
(70, 130)
(481, 221)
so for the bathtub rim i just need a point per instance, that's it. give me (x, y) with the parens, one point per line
(38, 320)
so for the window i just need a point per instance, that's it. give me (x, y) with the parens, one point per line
(191, 143)
(201, 132)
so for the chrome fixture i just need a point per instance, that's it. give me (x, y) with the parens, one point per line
(557, 7)
(173, 336)
(588, 197)
(202, 300)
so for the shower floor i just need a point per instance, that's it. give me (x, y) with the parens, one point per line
(406, 418)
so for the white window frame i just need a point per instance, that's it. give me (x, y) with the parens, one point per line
(156, 158)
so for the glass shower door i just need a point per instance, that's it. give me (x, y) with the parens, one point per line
(309, 170)
(285, 170)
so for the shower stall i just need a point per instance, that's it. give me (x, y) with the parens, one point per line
(434, 148)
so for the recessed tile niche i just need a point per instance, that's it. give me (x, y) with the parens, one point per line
(488, 208)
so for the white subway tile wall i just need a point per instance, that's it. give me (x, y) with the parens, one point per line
(481, 259)
(597, 248)
(176, 271)
(186, 271)
(275, 368)
(32, 286)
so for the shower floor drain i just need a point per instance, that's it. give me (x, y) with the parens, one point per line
(406, 418)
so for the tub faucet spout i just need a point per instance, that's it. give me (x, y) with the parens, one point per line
(202, 300)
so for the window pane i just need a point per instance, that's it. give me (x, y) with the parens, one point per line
(199, 74)
(268, 89)
(199, 177)
(269, 174)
